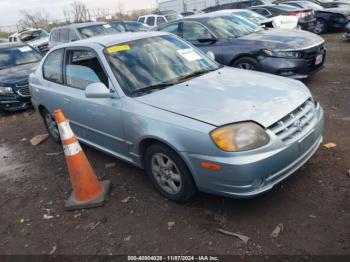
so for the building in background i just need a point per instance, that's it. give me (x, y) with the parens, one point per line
(195, 6)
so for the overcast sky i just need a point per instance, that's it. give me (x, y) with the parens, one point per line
(9, 9)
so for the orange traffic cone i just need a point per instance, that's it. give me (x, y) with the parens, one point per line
(87, 190)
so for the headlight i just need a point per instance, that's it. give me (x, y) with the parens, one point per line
(6, 90)
(239, 137)
(283, 54)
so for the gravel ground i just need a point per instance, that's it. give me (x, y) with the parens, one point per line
(313, 205)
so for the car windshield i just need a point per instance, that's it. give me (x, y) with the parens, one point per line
(311, 5)
(232, 26)
(33, 35)
(251, 16)
(155, 63)
(96, 30)
(137, 27)
(288, 8)
(19, 55)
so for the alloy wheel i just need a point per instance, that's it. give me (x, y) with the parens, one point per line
(246, 66)
(166, 173)
(320, 27)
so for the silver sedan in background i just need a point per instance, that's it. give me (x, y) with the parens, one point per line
(157, 102)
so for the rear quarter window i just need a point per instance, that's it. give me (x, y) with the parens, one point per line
(52, 67)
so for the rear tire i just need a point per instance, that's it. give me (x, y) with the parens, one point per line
(321, 27)
(169, 173)
(247, 63)
(51, 126)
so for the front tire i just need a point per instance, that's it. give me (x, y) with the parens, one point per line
(321, 27)
(168, 173)
(247, 63)
(51, 126)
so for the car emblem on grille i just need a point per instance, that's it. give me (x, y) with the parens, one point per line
(298, 125)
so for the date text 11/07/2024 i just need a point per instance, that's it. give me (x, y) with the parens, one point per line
(173, 258)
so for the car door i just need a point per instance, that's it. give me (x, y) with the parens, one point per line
(198, 35)
(95, 120)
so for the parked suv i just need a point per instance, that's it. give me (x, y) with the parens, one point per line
(17, 61)
(74, 32)
(36, 38)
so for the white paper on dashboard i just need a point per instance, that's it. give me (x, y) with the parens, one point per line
(107, 26)
(189, 54)
(25, 49)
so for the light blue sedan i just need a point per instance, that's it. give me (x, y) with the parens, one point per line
(157, 102)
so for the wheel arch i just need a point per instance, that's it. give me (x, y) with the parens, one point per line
(243, 56)
(146, 142)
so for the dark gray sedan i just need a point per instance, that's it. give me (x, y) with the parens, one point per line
(239, 43)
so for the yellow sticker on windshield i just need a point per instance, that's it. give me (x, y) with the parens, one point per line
(118, 48)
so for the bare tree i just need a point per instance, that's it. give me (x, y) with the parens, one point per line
(80, 12)
(38, 19)
(67, 15)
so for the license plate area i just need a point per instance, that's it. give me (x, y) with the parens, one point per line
(306, 142)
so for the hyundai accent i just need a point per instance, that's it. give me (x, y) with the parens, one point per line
(155, 101)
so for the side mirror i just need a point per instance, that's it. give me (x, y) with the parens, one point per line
(207, 39)
(97, 90)
(211, 55)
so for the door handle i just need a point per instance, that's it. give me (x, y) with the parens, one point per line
(66, 101)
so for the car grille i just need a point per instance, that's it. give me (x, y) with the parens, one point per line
(311, 54)
(23, 89)
(293, 126)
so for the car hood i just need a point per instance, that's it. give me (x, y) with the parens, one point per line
(231, 95)
(337, 10)
(281, 39)
(38, 42)
(16, 73)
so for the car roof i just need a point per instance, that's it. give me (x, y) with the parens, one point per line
(205, 15)
(150, 15)
(228, 11)
(79, 25)
(114, 39)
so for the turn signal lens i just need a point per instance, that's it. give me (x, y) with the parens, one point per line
(225, 139)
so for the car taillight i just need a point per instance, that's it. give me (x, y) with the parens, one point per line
(300, 15)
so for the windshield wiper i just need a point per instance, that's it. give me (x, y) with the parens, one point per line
(150, 88)
(194, 74)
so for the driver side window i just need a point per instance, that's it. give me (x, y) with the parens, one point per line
(83, 68)
(193, 31)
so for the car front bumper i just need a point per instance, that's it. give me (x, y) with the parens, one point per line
(248, 174)
(13, 104)
(294, 68)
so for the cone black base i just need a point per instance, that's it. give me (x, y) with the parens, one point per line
(72, 204)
